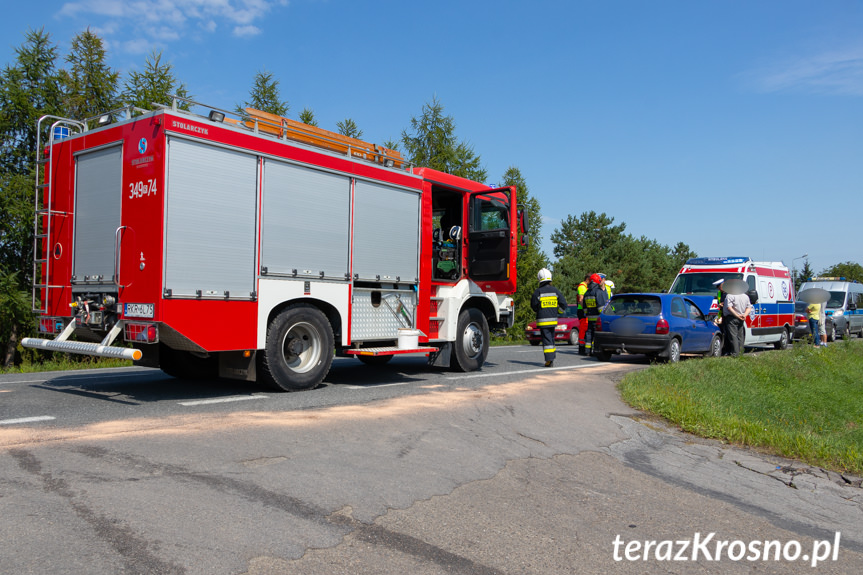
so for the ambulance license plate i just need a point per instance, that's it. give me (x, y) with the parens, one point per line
(138, 310)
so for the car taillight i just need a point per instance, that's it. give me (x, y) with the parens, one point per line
(661, 327)
(800, 318)
(599, 324)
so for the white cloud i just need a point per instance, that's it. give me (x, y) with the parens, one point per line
(246, 31)
(835, 72)
(133, 23)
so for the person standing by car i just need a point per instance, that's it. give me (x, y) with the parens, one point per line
(822, 324)
(737, 307)
(594, 301)
(545, 302)
(813, 315)
(580, 290)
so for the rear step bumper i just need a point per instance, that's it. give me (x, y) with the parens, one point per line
(83, 348)
(103, 349)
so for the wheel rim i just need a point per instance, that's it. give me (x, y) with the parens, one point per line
(472, 340)
(674, 356)
(301, 347)
(716, 348)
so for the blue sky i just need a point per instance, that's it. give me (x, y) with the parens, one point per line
(733, 126)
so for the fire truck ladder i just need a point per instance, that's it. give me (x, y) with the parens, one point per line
(44, 213)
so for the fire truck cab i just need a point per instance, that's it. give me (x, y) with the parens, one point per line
(256, 248)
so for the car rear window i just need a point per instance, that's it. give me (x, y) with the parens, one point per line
(634, 304)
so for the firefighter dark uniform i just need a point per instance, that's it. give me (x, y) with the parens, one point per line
(545, 302)
(594, 300)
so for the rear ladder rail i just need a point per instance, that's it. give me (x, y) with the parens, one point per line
(43, 207)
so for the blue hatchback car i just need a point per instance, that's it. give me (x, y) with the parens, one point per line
(659, 325)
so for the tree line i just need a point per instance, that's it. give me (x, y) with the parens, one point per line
(81, 85)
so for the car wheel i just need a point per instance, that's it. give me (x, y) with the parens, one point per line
(573, 337)
(601, 355)
(783, 340)
(846, 333)
(673, 351)
(715, 347)
(831, 335)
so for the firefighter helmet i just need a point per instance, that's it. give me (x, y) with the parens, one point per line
(544, 275)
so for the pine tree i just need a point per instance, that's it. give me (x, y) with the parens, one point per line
(432, 143)
(307, 116)
(29, 89)
(89, 85)
(264, 96)
(348, 127)
(155, 85)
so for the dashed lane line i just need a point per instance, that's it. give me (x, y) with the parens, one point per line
(222, 400)
(26, 420)
(520, 371)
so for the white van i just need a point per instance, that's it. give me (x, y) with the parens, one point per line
(770, 290)
(845, 305)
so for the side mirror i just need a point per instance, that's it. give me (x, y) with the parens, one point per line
(753, 296)
(523, 224)
(852, 306)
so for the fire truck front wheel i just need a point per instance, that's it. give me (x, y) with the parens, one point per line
(471, 345)
(300, 348)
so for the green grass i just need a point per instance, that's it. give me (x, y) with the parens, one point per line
(804, 403)
(64, 363)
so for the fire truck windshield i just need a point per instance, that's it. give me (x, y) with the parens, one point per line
(701, 283)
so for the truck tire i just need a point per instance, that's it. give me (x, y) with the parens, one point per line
(299, 349)
(187, 365)
(471, 344)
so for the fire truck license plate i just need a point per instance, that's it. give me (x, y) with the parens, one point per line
(138, 310)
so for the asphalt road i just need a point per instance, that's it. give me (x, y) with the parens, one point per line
(393, 469)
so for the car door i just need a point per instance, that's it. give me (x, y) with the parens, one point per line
(681, 324)
(702, 329)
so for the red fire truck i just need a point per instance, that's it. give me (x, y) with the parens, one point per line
(258, 248)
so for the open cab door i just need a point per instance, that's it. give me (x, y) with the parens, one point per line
(491, 239)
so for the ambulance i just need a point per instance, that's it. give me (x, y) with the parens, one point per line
(771, 292)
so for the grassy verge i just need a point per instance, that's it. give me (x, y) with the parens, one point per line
(805, 403)
(64, 363)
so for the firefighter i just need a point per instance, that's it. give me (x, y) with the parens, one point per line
(581, 289)
(595, 299)
(546, 300)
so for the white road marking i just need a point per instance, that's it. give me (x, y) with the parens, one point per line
(223, 400)
(541, 369)
(373, 386)
(26, 420)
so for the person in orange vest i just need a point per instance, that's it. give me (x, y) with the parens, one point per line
(581, 289)
(546, 300)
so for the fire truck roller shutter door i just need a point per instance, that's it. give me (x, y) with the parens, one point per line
(97, 212)
(386, 233)
(306, 221)
(210, 222)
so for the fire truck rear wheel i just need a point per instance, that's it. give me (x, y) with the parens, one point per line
(300, 349)
(471, 345)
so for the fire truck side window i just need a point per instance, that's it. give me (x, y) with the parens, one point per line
(490, 213)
